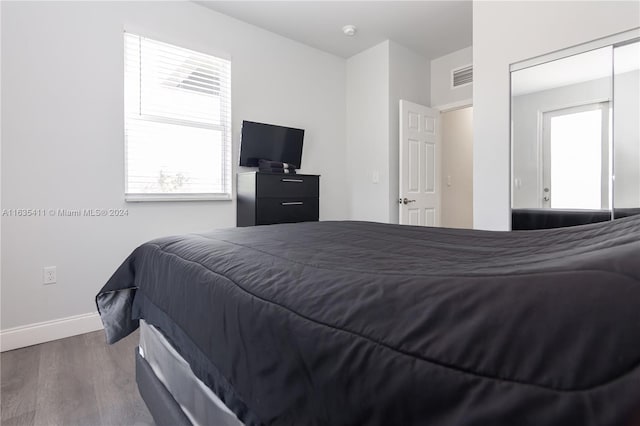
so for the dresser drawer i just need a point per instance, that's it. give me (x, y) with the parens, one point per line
(286, 210)
(287, 186)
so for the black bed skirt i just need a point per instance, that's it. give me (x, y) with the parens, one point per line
(529, 219)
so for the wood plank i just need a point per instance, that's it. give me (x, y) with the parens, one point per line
(119, 402)
(66, 394)
(26, 419)
(75, 381)
(19, 378)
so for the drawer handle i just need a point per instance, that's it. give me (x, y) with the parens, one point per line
(292, 180)
(293, 203)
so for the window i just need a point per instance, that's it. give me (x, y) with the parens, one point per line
(177, 122)
(575, 157)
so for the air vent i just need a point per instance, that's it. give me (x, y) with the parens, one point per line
(462, 76)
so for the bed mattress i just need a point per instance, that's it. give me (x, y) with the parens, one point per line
(355, 323)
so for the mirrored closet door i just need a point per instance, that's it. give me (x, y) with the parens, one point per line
(575, 140)
(626, 129)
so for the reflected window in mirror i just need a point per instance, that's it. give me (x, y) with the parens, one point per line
(575, 158)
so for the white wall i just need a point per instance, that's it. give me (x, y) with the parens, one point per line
(376, 81)
(62, 137)
(408, 80)
(368, 133)
(508, 32)
(442, 94)
(457, 168)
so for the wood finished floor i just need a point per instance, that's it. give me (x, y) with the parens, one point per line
(75, 381)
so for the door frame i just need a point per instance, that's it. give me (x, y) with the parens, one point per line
(454, 105)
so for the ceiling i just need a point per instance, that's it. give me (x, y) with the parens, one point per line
(430, 28)
(587, 66)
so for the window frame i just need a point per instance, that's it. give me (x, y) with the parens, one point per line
(226, 132)
(545, 140)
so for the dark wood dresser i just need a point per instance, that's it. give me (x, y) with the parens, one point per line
(268, 198)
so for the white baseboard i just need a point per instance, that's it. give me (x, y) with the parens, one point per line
(32, 334)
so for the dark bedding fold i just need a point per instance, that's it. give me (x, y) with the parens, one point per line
(360, 323)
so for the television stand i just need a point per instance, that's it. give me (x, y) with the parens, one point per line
(269, 198)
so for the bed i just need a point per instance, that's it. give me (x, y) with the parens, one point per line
(357, 323)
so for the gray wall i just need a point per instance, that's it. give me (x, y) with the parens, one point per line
(62, 137)
(368, 133)
(442, 94)
(376, 81)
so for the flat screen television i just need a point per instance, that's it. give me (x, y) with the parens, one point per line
(270, 142)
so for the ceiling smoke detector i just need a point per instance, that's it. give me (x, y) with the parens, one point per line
(349, 30)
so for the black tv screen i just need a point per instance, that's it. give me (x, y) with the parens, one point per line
(260, 141)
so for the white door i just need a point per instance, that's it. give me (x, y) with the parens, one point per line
(419, 165)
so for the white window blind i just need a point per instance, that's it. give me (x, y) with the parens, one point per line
(177, 122)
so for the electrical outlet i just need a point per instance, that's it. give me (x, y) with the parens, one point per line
(49, 275)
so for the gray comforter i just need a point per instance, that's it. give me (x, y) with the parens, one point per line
(354, 323)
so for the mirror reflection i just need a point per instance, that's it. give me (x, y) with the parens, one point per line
(560, 113)
(576, 139)
(626, 126)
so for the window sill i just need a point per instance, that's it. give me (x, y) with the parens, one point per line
(136, 198)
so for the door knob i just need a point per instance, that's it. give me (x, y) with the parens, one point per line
(405, 200)
(546, 195)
